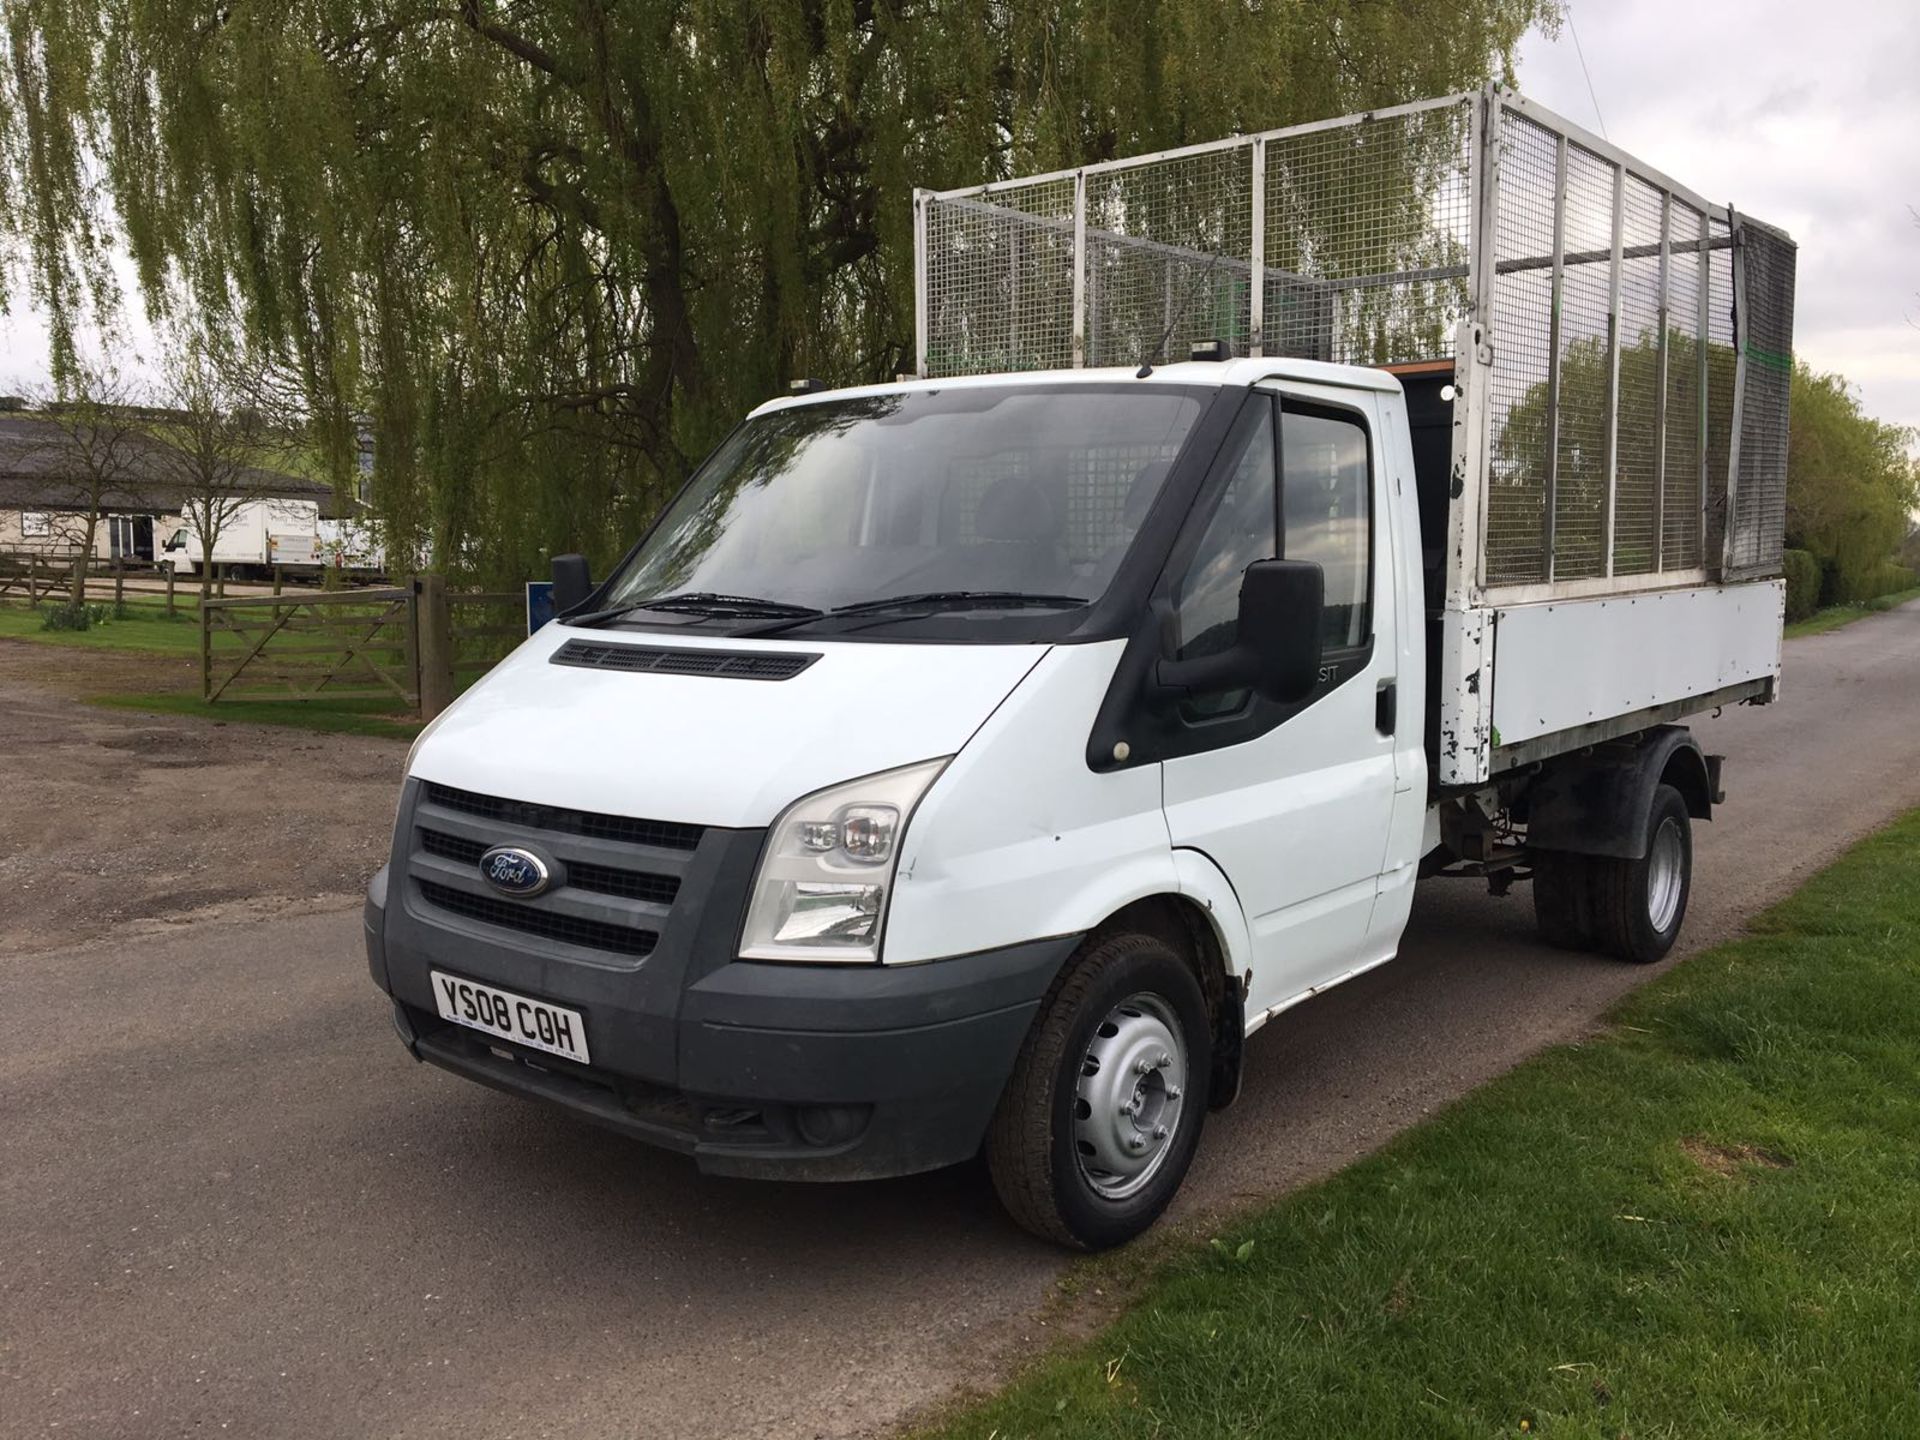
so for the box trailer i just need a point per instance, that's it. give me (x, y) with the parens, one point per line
(256, 536)
(974, 762)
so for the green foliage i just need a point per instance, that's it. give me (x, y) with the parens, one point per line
(73, 617)
(1838, 617)
(1886, 578)
(1851, 488)
(553, 250)
(147, 629)
(1803, 584)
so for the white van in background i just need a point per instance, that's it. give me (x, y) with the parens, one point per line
(257, 536)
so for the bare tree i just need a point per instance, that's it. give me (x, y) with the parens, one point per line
(221, 428)
(94, 452)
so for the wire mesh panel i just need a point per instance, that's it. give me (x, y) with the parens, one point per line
(1636, 498)
(1609, 292)
(1766, 354)
(1585, 361)
(1684, 472)
(1366, 238)
(1169, 252)
(1718, 363)
(1356, 234)
(999, 281)
(1523, 328)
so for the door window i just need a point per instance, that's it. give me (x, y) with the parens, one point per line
(1323, 513)
(1207, 600)
(1328, 516)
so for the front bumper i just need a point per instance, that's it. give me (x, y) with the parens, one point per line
(762, 1069)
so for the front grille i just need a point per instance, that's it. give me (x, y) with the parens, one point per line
(659, 660)
(548, 924)
(580, 874)
(633, 884)
(451, 847)
(660, 834)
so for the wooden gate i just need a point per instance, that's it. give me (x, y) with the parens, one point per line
(336, 645)
(418, 645)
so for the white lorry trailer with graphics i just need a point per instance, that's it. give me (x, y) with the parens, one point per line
(255, 537)
(975, 762)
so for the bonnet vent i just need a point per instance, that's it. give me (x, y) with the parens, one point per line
(660, 660)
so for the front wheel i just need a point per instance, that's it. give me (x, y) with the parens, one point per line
(1103, 1111)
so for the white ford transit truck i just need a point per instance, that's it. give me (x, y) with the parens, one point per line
(972, 763)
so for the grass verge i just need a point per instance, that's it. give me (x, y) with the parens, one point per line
(146, 629)
(1705, 1222)
(350, 717)
(1835, 616)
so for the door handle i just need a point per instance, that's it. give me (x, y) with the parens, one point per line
(1385, 708)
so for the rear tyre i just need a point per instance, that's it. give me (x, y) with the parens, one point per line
(1104, 1109)
(1638, 905)
(1562, 899)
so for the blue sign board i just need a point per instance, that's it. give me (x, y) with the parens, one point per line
(539, 604)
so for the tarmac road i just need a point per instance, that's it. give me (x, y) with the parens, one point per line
(230, 1202)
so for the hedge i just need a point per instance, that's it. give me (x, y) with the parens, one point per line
(1803, 583)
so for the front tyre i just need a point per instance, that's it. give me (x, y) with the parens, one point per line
(1103, 1111)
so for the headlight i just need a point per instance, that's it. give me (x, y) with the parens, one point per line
(821, 891)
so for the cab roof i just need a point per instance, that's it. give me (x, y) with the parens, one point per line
(1186, 372)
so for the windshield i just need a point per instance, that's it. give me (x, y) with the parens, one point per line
(1012, 495)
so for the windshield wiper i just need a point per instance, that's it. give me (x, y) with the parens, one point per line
(701, 602)
(933, 600)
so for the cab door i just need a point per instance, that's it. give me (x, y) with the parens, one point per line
(1293, 802)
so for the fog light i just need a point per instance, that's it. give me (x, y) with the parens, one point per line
(831, 1124)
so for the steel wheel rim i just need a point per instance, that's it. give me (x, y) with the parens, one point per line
(1666, 866)
(1129, 1097)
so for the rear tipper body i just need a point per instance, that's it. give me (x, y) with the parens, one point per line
(1595, 360)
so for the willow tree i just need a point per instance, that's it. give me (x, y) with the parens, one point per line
(548, 250)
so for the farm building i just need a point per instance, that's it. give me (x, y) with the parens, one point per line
(44, 495)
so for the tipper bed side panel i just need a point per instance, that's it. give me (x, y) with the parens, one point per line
(1563, 665)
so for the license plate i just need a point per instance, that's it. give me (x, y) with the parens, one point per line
(519, 1018)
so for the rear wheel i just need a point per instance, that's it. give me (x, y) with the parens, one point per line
(1562, 899)
(1638, 905)
(1103, 1112)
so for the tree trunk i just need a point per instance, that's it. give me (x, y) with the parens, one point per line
(79, 596)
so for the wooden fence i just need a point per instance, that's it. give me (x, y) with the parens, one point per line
(38, 578)
(412, 644)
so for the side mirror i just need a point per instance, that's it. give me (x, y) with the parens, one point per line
(572, 582)
(1276, 650)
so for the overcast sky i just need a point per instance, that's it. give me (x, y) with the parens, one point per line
(1805, 114)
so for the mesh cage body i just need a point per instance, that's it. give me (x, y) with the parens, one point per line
(1357, 229)
(1635, 407)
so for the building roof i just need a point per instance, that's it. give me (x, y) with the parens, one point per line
(35, 475)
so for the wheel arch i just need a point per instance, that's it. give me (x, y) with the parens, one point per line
(1202, 921)
(1596, 803)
